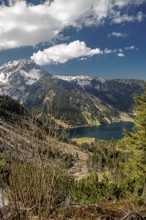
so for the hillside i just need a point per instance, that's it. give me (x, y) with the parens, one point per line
(26, 150)
(18, 129)
(24, 137)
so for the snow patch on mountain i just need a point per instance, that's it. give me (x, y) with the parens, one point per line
(31, 77)
(4, 77)
(74, 78)
(81, 80)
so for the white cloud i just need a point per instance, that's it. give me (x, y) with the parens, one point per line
(117, 34)
(121, 18)
(62, 53)
(108, 51)
(131, 48)
(83, 58)
(122, 3)
(120, 55)
(23, 24)
(121, 50)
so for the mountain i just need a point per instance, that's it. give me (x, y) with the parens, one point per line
(68, 104)
(16, 77)
(117, 93)
(66, 100)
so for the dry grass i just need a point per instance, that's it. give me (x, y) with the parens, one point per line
(83, 140)
(126, 117)
(36, 184)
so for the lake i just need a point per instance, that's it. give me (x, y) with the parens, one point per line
(104, 132)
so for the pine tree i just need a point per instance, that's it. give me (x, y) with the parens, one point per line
(133, 149)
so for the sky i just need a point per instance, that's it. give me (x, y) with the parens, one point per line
(104, 38)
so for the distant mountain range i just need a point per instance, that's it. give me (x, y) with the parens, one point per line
(117, 92)
(68, 100)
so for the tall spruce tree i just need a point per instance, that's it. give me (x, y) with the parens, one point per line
(133, 149)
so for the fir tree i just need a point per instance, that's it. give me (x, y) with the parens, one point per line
(133, 149)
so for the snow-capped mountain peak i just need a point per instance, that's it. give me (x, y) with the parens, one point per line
(26, 69)
(17, 76)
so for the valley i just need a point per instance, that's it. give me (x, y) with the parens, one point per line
(72, 110)
(46, 170)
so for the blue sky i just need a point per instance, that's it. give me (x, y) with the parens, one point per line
(105, 38)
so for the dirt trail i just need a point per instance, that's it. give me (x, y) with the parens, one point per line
(79, 170)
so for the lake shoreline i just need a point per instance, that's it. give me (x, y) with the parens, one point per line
(124, 117)
(103, 132)
(85, 126)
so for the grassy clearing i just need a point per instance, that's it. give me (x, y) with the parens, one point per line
(126, 117)
(60, 123)
(83, 140)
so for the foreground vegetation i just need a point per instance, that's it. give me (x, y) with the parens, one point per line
(122, 163)
(117, 176)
